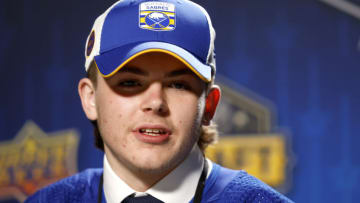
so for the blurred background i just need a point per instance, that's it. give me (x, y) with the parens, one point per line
(289, 70)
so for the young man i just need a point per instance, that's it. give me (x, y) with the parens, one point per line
(151, 98)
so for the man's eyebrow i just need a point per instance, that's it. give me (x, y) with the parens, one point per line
(184, 71)
(133, 70)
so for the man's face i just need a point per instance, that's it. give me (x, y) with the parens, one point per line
(149, 113)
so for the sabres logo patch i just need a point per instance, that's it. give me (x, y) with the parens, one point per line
(157, 16)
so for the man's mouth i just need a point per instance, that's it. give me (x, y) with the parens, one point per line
(152, 132)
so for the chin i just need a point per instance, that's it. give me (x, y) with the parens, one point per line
(156, 165)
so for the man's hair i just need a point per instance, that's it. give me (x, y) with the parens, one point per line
(208, 133)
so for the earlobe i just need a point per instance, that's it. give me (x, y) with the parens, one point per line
(211, 103)
(87, 95)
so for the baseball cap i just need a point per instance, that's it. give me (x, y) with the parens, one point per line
(130, 28)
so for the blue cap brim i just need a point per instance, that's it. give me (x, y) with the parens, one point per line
(112, 61)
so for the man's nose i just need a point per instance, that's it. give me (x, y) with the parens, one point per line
(155, 99)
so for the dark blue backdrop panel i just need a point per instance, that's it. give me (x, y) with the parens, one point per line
(301, 55)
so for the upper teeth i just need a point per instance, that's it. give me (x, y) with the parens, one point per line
(152, 131)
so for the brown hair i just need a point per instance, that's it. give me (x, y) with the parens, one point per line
(208, 134)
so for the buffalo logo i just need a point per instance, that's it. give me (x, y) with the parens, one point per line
(157, 16)
(157, 20)
(90, 44)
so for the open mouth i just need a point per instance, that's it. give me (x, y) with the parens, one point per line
(153, 132)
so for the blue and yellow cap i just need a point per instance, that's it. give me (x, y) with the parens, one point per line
(130, 28)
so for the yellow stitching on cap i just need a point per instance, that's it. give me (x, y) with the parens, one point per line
(97, 67)
(154, 50)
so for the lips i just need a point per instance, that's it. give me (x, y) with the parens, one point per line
(152, 134)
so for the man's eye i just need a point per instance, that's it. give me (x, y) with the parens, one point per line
(129, 83)
(179, 85)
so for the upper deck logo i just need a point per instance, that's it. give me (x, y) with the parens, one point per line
(34, 159)
(248, 140)
(157, 16)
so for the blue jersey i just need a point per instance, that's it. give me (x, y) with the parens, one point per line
(223, 185)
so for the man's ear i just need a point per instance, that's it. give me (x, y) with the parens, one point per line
(86, 91)
(211, 103)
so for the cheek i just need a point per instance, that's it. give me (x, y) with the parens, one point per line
(112, 116)
(188, 112)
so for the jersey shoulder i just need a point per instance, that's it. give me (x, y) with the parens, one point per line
(81, 187)
(247, 188)
(239, 186)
